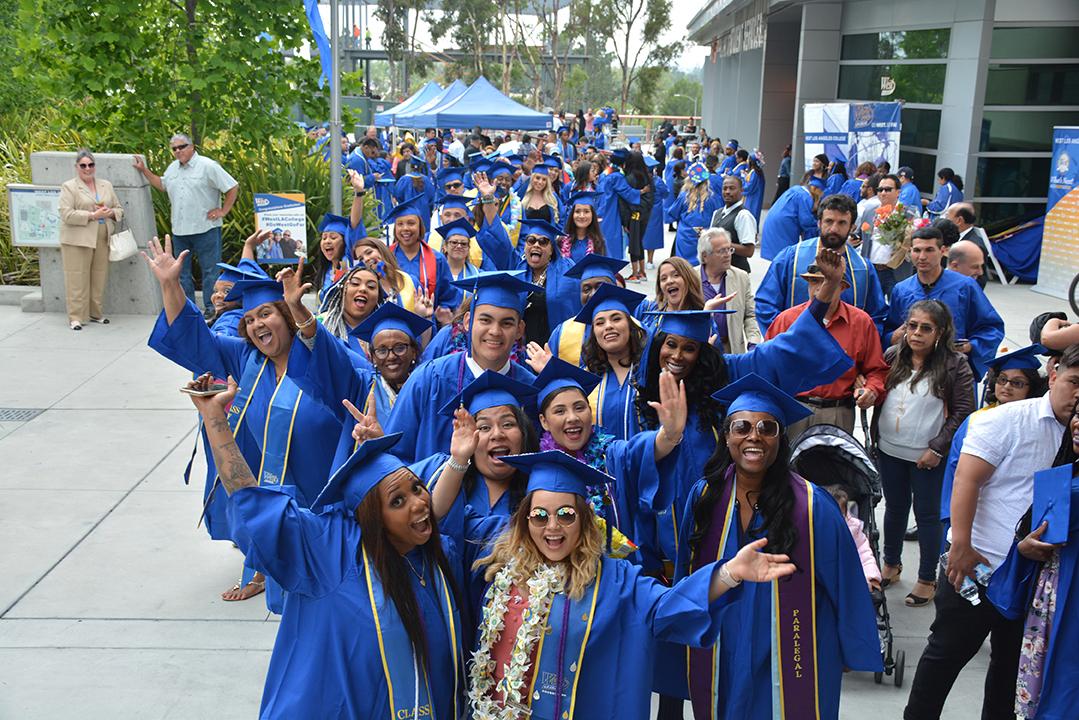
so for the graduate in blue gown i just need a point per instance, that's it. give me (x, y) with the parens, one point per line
(589, 625)
(654, 237)
(582, 226)
(371, 625)
(610, 186)
(428, 267)
(975, 318)
(414, 185)
(764, 664)
(285, 438)
(790, 220)
(568, 337)
(490, 247)
(693, 210)
(377, 174)
(730, 159)
(334, 255)
(753, 187)
(495, 326)
(782, 286)
(542, 264)
(949, 192)
(909, 194)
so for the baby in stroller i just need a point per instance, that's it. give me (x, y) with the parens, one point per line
(857, 530)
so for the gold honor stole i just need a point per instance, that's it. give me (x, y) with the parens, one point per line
(571, 342)
(409, 687)
(793, 610)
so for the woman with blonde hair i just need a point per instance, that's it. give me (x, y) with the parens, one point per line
(559, 616)
(539, 201)
(396, 283)
(89, 211)
(678, 287)
(693, 210)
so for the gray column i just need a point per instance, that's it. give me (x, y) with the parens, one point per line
(778, 98)
(818, 69)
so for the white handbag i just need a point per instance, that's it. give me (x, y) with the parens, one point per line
(122, 243)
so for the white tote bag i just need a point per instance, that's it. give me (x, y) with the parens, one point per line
(122, 243)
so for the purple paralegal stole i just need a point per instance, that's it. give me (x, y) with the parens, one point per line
(794, 659)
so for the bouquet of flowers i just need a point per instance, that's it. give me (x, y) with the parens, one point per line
(892, 227)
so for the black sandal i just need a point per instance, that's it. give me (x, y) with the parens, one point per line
(885, 582)
(913, 600)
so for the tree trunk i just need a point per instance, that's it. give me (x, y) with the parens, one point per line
(190, 42)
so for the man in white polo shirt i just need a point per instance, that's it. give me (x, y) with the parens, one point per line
(1003, 449)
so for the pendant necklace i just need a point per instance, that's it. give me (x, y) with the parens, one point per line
(419, 575)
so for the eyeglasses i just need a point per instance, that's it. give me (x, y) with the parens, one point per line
(537, 240)
(724, 252)
(86, 165)
(398, 350)
(178, 148)
(456, 244)
(920, 327)
(1017, 383)
(765, 428)
(889, 188)
(454, 185)
(565, 515)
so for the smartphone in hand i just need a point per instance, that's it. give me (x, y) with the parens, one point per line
(215, 389)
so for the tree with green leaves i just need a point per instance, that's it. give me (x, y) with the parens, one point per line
(634, 28)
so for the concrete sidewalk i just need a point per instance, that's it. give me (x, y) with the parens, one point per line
(110, 597)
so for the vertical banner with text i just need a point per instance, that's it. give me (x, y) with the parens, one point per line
(286, 215)
(1060, 236)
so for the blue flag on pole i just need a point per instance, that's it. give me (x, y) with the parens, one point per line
(322, 41)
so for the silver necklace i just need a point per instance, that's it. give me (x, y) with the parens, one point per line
(419, 575)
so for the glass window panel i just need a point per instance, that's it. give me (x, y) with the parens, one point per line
(1013, 177)
(1034, 42)
(998, 217)
(921, 128)
(924, 167)
(900, 45)
(1032, 85)
(1014, 130)
(913, 83)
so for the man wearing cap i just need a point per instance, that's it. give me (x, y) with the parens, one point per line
(909, 194)
(738, 330)
(495, 327)
(790, 219)
(730, 159)
(783, 287)
(739, 222)
(857, 334)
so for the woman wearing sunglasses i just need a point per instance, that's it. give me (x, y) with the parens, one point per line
(545, 266)
(569, 632)
(89, 211)
(788, 629)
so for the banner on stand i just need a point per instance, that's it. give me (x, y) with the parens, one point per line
(852, 133)
(1060, 234)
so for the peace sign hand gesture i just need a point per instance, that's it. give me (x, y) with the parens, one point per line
(367, 425)
(291, 280)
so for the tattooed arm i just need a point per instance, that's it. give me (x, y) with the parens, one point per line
(231, 466)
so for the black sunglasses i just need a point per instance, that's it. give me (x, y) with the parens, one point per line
(86, 165)
(176, 148)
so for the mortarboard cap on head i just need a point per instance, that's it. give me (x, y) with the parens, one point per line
(539, 227)
(733, 144)
(246, 269)
(697, 173)
(334, 223)
(499, 168)
(906, 171)
(692, 324)
(252, 293)
(753, 393)
(610, 297)
(455, 201)
(593, 265)
(816, 182)
(490, 389)
(1022, 359)
(390, 316)
(516, 160)
(558, 375)
(1052, 503)
(499, 288)
(360, 474)
(450, 174)
(584, 197)
(619, 156)
(650, 161)
(277, 231)
(633, 140)
(555, 471)
(563, 129)
(409, 207)
(458, 227)
(481, 166)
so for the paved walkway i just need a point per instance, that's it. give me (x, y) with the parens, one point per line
(110, 597)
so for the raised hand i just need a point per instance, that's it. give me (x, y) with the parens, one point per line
(212, 405)
(832, 265)
(719, 302)
(755, 566)
(424, 305)
(291, 279)
(367, 425)
(256, 238)
(672, 408)
(355, 180)
(465, 436)
(538, 357)
(163, 265)
(483, 185)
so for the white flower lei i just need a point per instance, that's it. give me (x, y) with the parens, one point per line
(545, 583)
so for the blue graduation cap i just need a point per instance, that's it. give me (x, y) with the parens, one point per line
(563, 129)
(594, 265)
(460, 226)
(650, 161)
(816, 182)
(490, 389)
(1052, 503)
(539, 227)
(619, 156)
(1022, 359)
(558, 375)
(692, 324)
(455, 201)
(555, 471)
(450, 174)
(499, 288)
(253, 293)
(277, 231)
(753, 393)
(584, 197)
(247, 269)
(609, 297)
(334, 223)
(551, 163)
(499, 168)
(408, 207)
(632, 140)
(516, 160)
(360, 474)
(481, 166)
(733, 144)
(390, 316)
(697, 173)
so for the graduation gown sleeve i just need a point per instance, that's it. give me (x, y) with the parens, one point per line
(771, 296)
(327, 375)
(495, 243)
(189, 343)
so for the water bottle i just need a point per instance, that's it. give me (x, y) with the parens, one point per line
(969, 589)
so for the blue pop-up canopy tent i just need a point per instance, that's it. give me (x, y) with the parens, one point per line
(427, 92)
(482, 104)
(414, 117)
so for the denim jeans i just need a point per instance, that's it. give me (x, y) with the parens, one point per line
(205, 246)
(900, 480)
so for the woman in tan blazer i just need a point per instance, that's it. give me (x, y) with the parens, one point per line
(89, 211)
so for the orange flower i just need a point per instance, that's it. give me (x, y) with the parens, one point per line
(885, 210)
(865, 227)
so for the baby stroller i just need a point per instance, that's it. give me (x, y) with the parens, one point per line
(828, 455)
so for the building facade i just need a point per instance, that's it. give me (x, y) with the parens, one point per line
(982, 83)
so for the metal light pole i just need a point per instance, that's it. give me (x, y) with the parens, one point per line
(687, 97)
(335, 110)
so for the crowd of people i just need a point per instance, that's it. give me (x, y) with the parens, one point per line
(481, 471)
